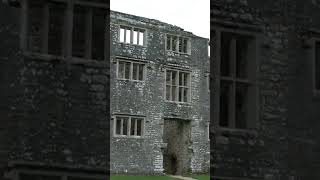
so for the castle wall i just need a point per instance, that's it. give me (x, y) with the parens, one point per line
(146, 98)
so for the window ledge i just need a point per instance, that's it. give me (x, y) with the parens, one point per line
(128, 137)
(130, 44)
(178, 53)
(220, 130)
(178, 103)
(135, 81)
(72, 60)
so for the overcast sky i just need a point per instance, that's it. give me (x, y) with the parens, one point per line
(191, 15)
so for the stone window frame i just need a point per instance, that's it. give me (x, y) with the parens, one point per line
(131, 61)
(143, 129)
(132, 28)
(253, 121)
(314, 41)
(64, 175)
(177, 44)
(177, 92)
(67, 35)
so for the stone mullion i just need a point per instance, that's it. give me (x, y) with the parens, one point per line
(177, 44)
(177, 86)
(129, 126)
(121, 129)
(183, 87)
(232, 99)
(131, 71)
(117, 69)
(170, 85)
(138, 36)
(131, 35)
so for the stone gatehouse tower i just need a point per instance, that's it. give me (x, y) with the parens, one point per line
(159, 98)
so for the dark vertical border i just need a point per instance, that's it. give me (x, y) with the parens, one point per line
(211, 130)
(107, 58)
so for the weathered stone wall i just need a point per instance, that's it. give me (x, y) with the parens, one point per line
(9, 29)
(145, 98)
(286, 138)
(54, 111)
(62, 110)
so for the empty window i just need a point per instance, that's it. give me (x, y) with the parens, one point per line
(49, 30)
(79, 32)
(128, 36)
(122, 32)
(130, 70)
(177, 86)
(129, 126)
(183, 43)
(135, 37)
(317, 66)
(177, 44)
(56, 28)
(98, 28)
(35, 28)
(236, 81)
(131, 35)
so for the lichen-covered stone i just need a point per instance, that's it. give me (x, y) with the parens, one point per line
(145, 155)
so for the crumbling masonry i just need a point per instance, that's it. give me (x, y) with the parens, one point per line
(55, 92)
(159, 98)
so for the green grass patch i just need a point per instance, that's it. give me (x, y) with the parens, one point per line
(141, 178)
(201, 177)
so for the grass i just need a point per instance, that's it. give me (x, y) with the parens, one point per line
(198, 177)
(201, 177)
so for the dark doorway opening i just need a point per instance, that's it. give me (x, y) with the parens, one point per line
(176, 158)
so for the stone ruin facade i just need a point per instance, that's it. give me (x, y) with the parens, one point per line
(55, 84)
(264, 98)
(265, 104)
(159, 101)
